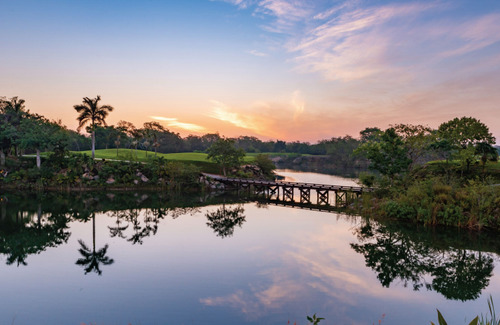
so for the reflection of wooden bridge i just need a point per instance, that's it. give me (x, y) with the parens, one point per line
(285, 191)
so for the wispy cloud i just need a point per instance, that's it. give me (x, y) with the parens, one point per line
(474, 35)
(385, 62)
(257, 53)
(286, 13)
(173, 122)
(240, 3)
(353, 40)
(286, 119)
(298, 104)
(222, 112)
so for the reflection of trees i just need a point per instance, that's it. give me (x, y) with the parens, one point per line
(118, 230)
(463, 275)
(143, 222)
(456, 273)
(25, 233)
(92, 258)
(223, 220)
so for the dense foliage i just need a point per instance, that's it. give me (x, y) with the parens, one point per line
(64, 170)
(461, 190)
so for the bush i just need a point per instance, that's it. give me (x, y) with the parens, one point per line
(367, 179)
(265, 164)
(397, 210)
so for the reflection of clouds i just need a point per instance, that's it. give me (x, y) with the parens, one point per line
(256, 301)
(237, 300)
(319, 268)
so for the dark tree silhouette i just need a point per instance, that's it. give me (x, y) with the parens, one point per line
(456, 273)
(92, 258)
(223, 220)
(21, 237)
(91, 112)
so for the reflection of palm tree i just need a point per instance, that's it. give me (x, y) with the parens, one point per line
(118, 230)
(223, 220)
(92, 258)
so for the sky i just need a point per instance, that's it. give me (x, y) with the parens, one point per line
(295, 70)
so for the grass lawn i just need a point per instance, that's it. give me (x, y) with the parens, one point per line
(140, 155)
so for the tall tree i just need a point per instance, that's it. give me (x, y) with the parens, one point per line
(464, 135)
(13, 111)
(38, 134)
(417, 139)
(225, 153)
(387, 154)
(152, 131)
(131, 131)
(91, 112)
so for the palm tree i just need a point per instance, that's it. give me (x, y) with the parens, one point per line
(91, 112)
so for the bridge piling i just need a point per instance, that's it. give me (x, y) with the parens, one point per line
(343, 195)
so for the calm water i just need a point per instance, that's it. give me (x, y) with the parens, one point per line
(120, 258)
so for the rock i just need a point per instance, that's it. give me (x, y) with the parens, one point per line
(144, 179)
(110, 180)
(136, 182)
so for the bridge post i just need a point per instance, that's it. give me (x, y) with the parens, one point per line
(287, 193)
(259, 189)
(340, 198)
(305, 195)
(274, 191)
(323, 196)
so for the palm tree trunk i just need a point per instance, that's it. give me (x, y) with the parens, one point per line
(38, 159)
(93, 233)
(93, 143)
(2, 158)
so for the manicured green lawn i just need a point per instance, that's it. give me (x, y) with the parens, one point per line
(140, 155)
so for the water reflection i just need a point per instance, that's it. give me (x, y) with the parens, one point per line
(27, 232)
(399, 253)
(421, 258)
(91, 259)
(224, 219)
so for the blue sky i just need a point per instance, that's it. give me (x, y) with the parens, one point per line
(293, 70)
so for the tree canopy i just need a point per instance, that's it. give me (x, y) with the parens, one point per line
(91, 112)
(462, 136)
(225, 153)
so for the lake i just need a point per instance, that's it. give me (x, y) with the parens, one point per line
(149, 258)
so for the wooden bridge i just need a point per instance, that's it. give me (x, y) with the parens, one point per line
(286, 191)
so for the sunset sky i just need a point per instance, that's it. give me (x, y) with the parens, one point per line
(276, 69)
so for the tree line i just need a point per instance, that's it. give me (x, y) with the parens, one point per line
(21, 130)
(392, 152)
(397, 151)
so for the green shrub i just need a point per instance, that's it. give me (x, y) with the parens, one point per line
(394, 209)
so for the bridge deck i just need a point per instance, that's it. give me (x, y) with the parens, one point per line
(311, 186)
